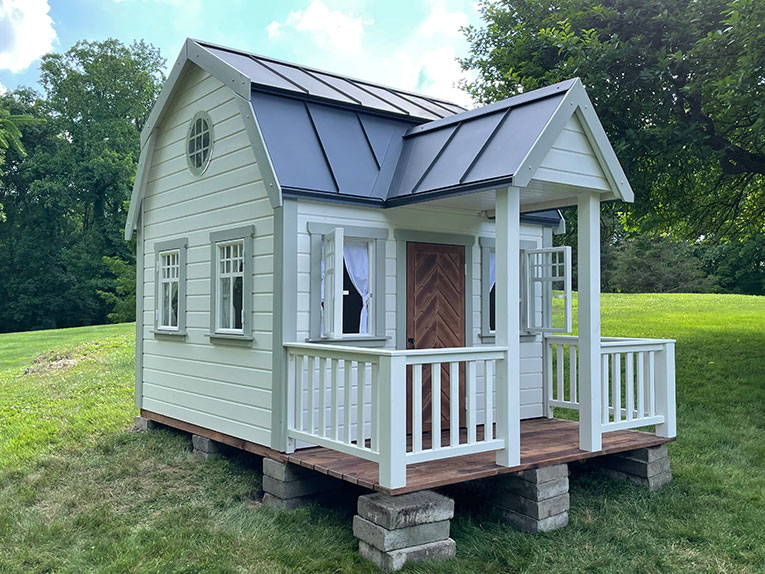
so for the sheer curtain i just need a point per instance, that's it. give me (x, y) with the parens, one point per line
(492, 269)
(356, 255)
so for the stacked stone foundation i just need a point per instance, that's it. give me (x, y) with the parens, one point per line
(649, 467)
(396, 530)
(291, 486)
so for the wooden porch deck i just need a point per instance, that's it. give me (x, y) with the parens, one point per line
(544, 442)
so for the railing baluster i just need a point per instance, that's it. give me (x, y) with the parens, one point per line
(333, 397)
(629, 384)
(573, 394)
(470, 394)
(290, 392)
(435, 404)
(641, 385)
(416, 408)
(374, 407)
(651, 383)
(548, 374)
(454, 404)
(323, 396)
(616, 366)
(360, 388)
(347, 387)
(300, 359)
(604, 388)
(311, 375)
(559, 367)
(488, 377)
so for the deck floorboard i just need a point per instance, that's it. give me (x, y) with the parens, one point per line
(544, 442)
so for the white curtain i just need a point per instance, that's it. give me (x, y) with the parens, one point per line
(356, 255)
(492, 268)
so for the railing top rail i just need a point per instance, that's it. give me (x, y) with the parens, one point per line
(377, 352)
(609, 341)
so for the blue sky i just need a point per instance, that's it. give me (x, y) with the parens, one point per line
(411, 44)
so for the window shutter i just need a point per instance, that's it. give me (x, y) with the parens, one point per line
(332, 254)
(548, 290)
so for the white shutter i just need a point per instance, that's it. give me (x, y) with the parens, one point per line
(548, 290)
(332, 253)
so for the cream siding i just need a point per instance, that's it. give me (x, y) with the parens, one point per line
(420, 218)
(222, 387)
(571, 160)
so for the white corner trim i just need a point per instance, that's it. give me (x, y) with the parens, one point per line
(577, 102)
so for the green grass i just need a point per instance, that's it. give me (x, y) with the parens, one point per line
(80, 494)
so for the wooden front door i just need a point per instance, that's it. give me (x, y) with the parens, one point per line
(435, 316)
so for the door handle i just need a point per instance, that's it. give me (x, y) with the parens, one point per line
(410, 343)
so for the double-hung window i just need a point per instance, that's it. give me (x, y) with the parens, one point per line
(231, 282)
(170, 287)
(348, 269)
(545, 289)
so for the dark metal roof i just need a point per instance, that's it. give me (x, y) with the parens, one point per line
(472, 148)
(274, 75)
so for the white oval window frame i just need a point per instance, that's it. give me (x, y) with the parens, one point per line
(204, 116)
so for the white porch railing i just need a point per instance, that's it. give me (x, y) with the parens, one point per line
(355, 401)
(637, 381)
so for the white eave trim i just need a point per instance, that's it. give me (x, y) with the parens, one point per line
(576, 101)
(240, 84)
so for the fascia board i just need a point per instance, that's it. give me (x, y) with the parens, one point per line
(136, 197)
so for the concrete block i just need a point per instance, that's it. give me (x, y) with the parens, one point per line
(636, 467)
(529, 524)
(536, 509)
(515, 485)
(287, 503)
(655, 482)
(286, 472)
(204, 447)
(649, 454)
(394, 512)
(384, 539)
(142, 424)
(545, 473)
(296, 488)
(396, 559)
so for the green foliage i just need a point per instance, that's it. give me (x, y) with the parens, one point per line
(658, 265)
(122, 300)
(739, 265)
(65, 200)
(678, 86)
(80, 494)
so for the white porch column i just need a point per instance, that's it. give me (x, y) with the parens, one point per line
(508, 330)
(588, 233)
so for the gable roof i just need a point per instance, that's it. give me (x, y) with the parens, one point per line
(320, 135)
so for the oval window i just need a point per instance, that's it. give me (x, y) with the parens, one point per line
(199, 143)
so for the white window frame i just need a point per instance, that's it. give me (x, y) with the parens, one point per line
(241, 236)
(543, 268)
(231, 255)
(169, 276)
(326, 319)
(177, 274)
(198, 139)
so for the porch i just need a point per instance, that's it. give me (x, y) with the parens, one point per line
(365, 410)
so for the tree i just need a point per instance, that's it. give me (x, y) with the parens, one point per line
(10, 137)
(679, 87)
(66, 200)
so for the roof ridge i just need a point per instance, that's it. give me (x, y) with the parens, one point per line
(303, 67)
(494, 107)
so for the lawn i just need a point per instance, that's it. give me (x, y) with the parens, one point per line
(78, 493)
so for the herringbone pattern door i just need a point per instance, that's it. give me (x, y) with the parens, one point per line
(435, 316)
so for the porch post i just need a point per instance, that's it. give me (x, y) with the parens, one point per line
(508, 329)
(588, 233)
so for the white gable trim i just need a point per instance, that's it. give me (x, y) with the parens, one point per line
(194, 54)
(577, 102)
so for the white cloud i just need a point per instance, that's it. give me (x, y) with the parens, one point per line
(3, 89)
(274, 29)
(330, 29)
(423, 60)
(26, 33)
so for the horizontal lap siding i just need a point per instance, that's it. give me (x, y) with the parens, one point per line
(419, 218)
(221, 387)
(571, 160)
